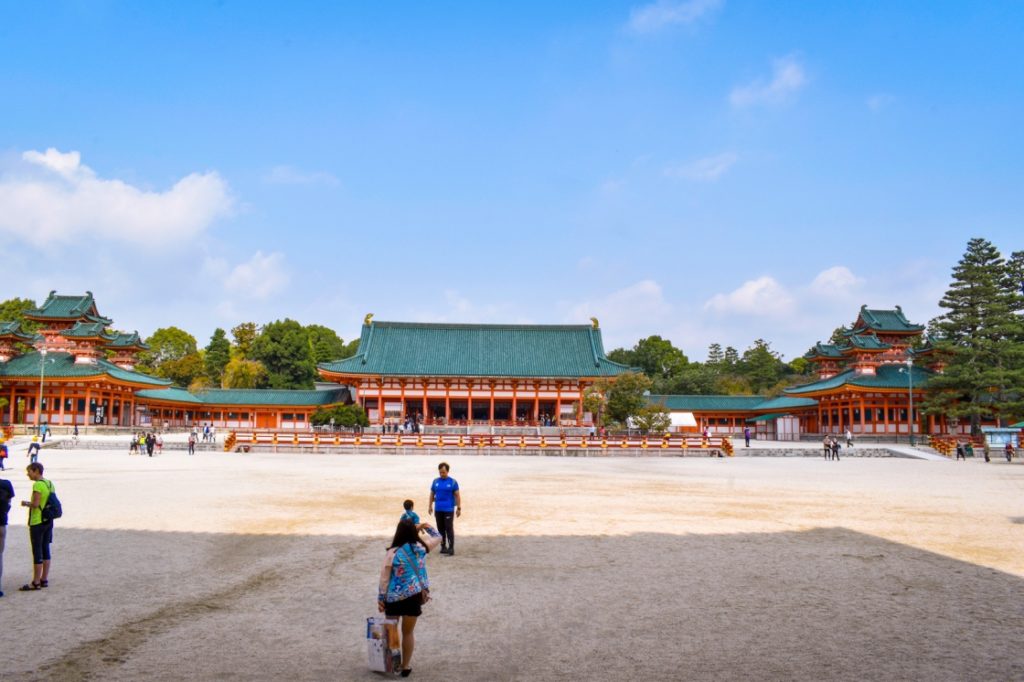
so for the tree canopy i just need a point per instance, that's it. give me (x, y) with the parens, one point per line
(283, 348)
(981, 338)
(218, 354)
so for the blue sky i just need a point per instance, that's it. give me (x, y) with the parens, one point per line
(707, 170)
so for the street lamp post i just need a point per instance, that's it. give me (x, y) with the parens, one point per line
(39, 403)
(910, 393)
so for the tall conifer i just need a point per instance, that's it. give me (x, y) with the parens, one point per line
(975, 337)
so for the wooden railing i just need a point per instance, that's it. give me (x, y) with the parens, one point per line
(244, 441)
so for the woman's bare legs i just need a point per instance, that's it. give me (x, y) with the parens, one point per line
(408, 640)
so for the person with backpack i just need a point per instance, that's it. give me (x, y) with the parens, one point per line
(404, 585)
(40, 525)
(6, 495)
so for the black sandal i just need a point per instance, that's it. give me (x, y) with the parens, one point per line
(44, 583)
(31, 587)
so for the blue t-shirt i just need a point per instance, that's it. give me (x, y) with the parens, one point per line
(444, 493)
(412, 516)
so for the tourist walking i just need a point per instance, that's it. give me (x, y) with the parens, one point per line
(404, 584)
(6, 495)
(192, 443)
(960, 452)
(835, 448)
(746, 435)
(447, 501)
(849, 438)
(40, 531)
(33, 450)
(827, 444)
(968, 450)
(986, 449)
(3, 455)
(150, 443)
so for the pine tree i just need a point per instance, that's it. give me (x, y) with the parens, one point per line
(715, 355)
(218, 354)
(976, 338)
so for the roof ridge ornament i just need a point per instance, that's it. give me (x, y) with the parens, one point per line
(596, 324)
(367, 319)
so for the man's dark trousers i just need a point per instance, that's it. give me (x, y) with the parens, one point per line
(446, 527)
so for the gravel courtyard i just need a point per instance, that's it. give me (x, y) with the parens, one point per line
(264, 566)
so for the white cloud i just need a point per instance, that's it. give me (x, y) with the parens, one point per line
(707, 169)
(53, 198)
(788, 77)
(835, 281)
(626, 314)
(289, 175)
(259, 278)
(664, 13)
(763, 297)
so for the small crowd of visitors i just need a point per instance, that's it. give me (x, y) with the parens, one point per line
(411, 424)
(146, 442)
(404, 585)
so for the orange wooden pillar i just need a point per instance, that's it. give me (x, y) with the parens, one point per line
(401, 385)
(447, 402)
(469, 402)
(492, 403)
(515, 385)
(536, 401)
(423, 414)
(558, 403)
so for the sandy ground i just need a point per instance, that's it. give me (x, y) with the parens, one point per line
(260, 567)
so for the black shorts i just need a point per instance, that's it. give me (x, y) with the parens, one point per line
(410, 606)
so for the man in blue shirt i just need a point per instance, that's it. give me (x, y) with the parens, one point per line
(444, 496)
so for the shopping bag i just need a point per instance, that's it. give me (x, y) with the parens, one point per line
(382, 645)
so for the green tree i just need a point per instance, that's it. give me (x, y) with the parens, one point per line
(979, 337)
(730, 357)
(653, 419)
(244, 335)
(324, 344)
(168, 346)
(761, 366)
(622, 356)
(351, 348)
(283, 348)
(658, 358)
(343, 415)
(625, 397)
(13, 310)
(694, 379)
(218, 354)
(184, 370)
(715, 354)
(239, 373)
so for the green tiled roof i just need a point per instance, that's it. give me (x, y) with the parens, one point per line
(1018, 425)
(478, 350)
(824, 350)
(68, 308)
(88, 330)
(132, 340)
(865, 342)
(768, 417)
(887, 376)
(729, 403)
(883, 321)
(62, 365)
(250, 396)
(784, 402)
(14, 329)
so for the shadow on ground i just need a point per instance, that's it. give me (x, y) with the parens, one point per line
(819, 604)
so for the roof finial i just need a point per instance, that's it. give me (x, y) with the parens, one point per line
(594, 322)
(366, 320)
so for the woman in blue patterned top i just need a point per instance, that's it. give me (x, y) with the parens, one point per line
(404, 584)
